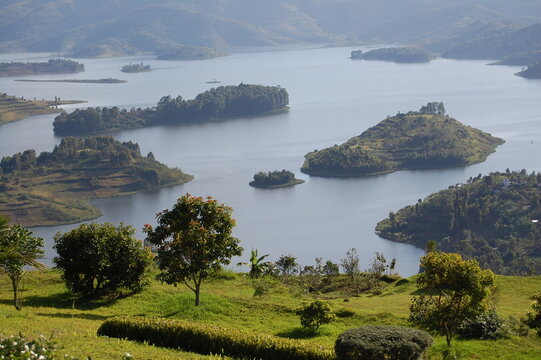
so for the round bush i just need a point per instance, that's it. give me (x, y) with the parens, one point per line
(382, 342)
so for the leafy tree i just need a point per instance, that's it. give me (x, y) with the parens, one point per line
(97, 258)
(18, 248)
(331, 269)
(350, 263)
(454, 289)
(287, 264)
(315, 314)
(194, 239)
(533, 319)
(256, 264)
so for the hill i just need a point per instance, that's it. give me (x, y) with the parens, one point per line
(220, 103)
(416, 140)
(54, 187)
(532, 72)
(395, 54)
(493, 218)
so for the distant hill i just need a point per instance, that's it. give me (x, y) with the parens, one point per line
(416, 140)
(524, 58)
(395, 54)
(532, 72)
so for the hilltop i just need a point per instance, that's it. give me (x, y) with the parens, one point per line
(415, 140)
(54, 187)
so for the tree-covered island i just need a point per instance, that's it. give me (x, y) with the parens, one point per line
(395, 54)
(54, 187)
(220, 103)
(275, 179)
(53, 66)
(135, 68)
(421, 139)
(495, 219)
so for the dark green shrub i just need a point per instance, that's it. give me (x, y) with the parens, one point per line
(210, 339)
(533, 319)
(315, 314)
(382, 342)
(488, 325)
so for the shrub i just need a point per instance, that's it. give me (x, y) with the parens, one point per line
(315, 314)
(263, 285)
(488, 325)
(211, 339)
(382, 342)
(19, 348)
(533, 319)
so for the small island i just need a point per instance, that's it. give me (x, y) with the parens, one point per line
(532, 72)
(275, 179)
(13, 108)
(189, 52)
(494, 219)
(224, 102)
(80, 81)
(395, 54)
(135, 68)
(424, 139)
(53, 188)
(53, 66)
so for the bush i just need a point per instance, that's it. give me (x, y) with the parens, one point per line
(19, 348)
(315, 314)
(263, 285)
(533, 319)
(488, 325)
(210, 339)
(382, 342)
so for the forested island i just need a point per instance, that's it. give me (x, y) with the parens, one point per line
(275, 179)
(189, 52)
(395, 54)
(532, 72)
(13, 108)
(135, 68)
(80, 81)
(494, 219)
(53, 66)
(216, 104)
(53, 188)
(421, 139)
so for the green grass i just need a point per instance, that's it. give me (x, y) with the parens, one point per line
(227, 301)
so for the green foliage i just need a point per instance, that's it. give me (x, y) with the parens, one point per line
(287, 265)
(256, 264)
(209, 339)
(315, 314)
(533, 319)
(488, 325)
(218, 103)
(395, 54)
(52, 66)
(350, 263)
(382, 342)
(18, 347)
(489, 219)
(96, 258)
(274, 179)
(194, 240)
(415, 140)
(454, 291)
(263, 285)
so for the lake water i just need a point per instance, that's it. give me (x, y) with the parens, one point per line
(332, 98)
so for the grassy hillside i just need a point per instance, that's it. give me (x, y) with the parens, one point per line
(227, 301)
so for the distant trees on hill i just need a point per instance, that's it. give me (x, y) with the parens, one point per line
(50, 67)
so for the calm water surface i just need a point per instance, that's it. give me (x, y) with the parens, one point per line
(332, 99)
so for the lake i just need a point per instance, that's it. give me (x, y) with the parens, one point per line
(332, 98)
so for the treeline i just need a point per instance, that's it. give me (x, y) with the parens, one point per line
(395, 54)
(135, 68)
(50, 67)
(218, 103)
(274, 178)
(494, 219)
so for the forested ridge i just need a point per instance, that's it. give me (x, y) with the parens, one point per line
(218, 103)
(493, 218)
(415, 140)
(396, 54)
(53, 66)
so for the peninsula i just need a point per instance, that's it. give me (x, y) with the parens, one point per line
(53, 66)
(493, 219)
(395, 54)
(532, 72)
(421, 139)
(216, 104)
(275, 179)
(53, 188)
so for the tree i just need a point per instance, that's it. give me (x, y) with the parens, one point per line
(533, 319)
(194, 240)
(315, 314)
(18, 248)
(256, 264)
(287, 264)
(98, 258)
(455, 290)
(350, 263)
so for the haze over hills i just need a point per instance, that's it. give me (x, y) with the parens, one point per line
(113, 28)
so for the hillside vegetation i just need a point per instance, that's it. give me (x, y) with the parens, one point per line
(54, 187)
(53, 66)
(416, 140)
(395, 54)
(493, 218)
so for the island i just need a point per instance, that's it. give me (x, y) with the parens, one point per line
(395, 54)
(80, 81)
(224, 102)
(275, 179)
(532, 72)
(423, 139)
(188, 52)
(55, 187)
(494, 219)
(53, 66)
(14, 108)
(135, 68)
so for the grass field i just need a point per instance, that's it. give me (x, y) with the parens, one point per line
(227, 301)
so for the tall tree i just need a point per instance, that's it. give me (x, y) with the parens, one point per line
(194, 240)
